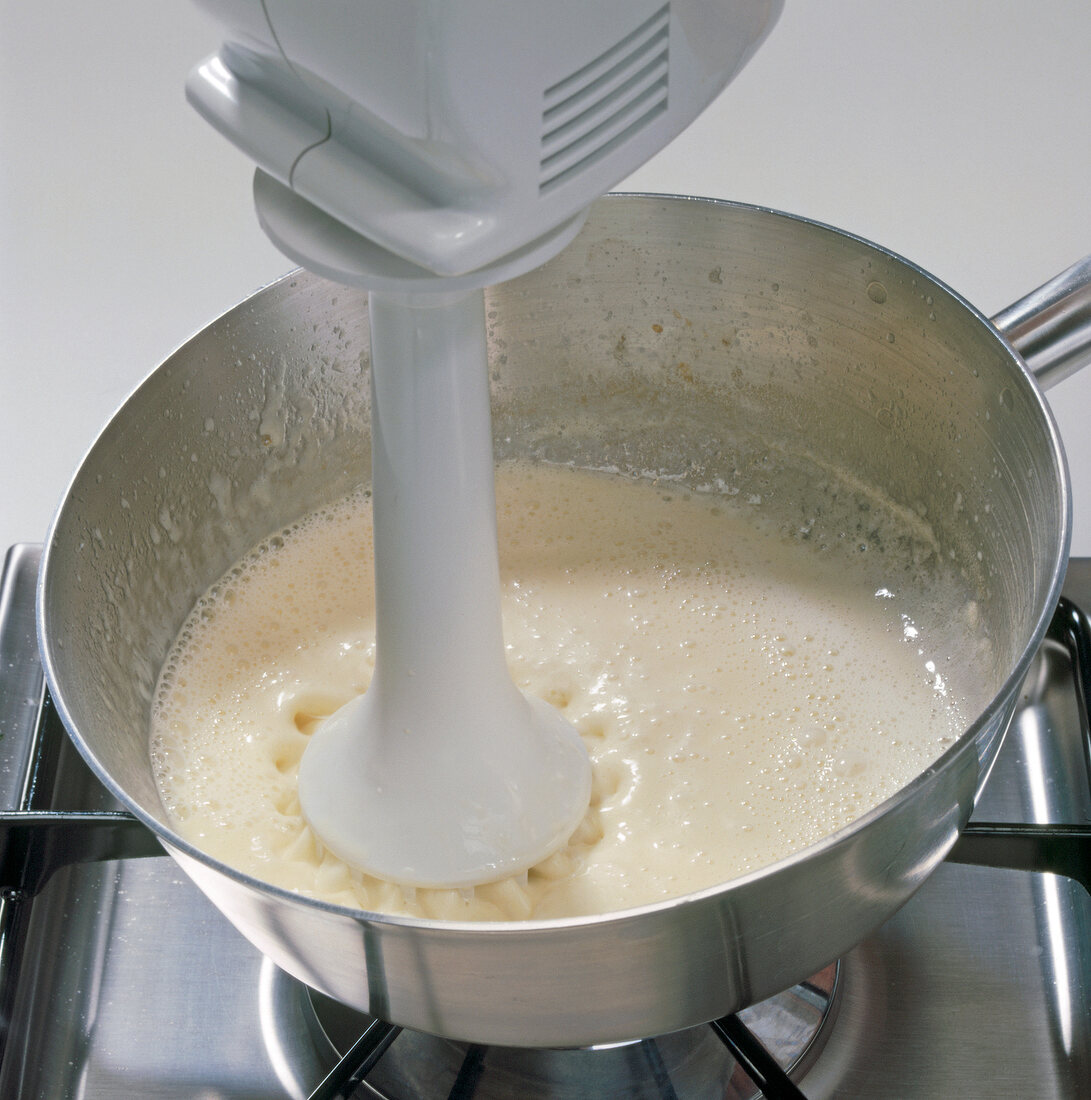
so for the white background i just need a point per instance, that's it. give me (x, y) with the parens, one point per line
(957, 133)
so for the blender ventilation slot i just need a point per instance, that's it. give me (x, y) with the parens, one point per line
(599, 106)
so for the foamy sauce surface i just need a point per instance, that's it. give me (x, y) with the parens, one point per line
(741, 694)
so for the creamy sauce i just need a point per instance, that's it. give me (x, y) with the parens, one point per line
(741, 694)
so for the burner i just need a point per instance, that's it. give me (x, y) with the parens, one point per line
(688, 1065)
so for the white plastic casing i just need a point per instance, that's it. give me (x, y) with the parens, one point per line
(454, 134)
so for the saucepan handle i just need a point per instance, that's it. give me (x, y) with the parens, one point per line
(1051, 327)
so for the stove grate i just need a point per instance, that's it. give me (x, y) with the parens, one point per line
(350, 1072)
(757, 1063)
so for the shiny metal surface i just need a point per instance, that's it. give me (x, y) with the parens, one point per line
(980, 987)
(1051, 326)
(977, 988)
(21, 679)
(791, 1026)
(775, 341)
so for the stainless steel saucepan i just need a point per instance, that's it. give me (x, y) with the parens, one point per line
(692, 337)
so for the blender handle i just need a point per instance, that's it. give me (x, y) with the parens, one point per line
(1051, 327)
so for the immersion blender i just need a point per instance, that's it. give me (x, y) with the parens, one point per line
(422, 150)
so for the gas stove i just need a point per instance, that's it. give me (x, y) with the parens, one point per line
(119, 979)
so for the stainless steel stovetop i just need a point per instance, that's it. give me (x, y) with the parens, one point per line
(118, 979)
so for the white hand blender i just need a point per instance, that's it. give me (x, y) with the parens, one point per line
(424, 149)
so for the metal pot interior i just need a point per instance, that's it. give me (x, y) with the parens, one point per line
(699, 340)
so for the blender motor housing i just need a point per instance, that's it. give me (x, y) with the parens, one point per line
(398, 135)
